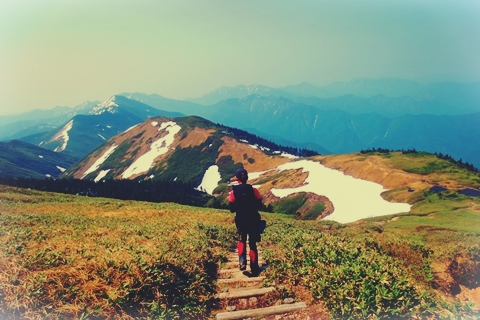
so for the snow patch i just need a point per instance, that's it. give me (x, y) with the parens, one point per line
(159, 147)
(41, 157)
(61, 169)
(48, 175)
(101, 175)
(100, 160)
(62, 136)
(154, 123)
(353, 199)
(210, 180)
(101, 136)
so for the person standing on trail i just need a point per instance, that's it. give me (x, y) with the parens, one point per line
(245, 201)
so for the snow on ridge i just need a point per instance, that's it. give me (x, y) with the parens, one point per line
(154, 123)
(210, 180)
(100, 160)
(62, 136)
(157, 148)
(131, 128)
(353, 199)
(108, 105)
(288, 155)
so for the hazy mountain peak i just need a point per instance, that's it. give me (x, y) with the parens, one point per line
(108, 105)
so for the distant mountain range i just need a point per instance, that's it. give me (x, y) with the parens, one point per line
(38, 121)
(341, 117)
(450, 97)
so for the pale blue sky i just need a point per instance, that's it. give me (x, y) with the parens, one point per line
(66, 52)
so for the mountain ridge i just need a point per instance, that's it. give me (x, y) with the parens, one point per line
(84, 133)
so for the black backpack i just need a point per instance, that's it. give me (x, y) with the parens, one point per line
(246, 204)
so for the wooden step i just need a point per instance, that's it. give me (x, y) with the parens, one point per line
(242, 314)
(234, 255)
(234, 262)
(245, 280)
(233, 267)
(244, 293)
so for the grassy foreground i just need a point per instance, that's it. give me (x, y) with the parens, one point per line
(70, 257)
(66, 256)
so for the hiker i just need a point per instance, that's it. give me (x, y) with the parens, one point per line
(245, 201)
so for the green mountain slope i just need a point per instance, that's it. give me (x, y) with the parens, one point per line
(21, 159)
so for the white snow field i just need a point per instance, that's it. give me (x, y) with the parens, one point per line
(159, 147)
(63, 136)
(210, 180)
(101, 175)
(353, 199)
(99, 161)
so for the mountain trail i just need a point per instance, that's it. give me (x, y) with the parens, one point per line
(243, 295)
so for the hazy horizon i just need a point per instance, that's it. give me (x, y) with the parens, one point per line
(58, 53)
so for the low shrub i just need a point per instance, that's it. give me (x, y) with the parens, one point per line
(354, 279)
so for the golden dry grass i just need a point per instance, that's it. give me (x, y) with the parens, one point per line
(65, 256)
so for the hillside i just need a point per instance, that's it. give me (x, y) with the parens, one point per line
(111, 258)
(21, 159)
(181, 149)
(198, 152)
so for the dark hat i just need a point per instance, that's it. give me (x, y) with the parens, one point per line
(241, 174)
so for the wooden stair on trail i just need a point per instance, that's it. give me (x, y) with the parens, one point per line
(240, 288)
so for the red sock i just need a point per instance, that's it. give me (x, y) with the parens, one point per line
(241, 248)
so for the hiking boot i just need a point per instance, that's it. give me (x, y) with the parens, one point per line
(255, 271)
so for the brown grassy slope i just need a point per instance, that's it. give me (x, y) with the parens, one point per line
(241, 152)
